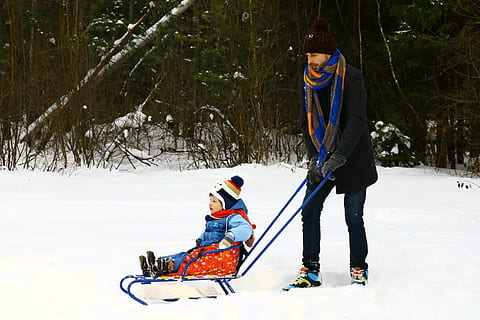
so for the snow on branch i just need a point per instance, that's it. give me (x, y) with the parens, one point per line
(220, 114)
(118, 51)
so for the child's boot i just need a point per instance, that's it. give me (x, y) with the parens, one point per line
(165, 265)
(144, 265)
(151, 261)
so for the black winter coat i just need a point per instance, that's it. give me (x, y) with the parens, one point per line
(359, 171)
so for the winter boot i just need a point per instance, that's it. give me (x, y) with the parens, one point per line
(306, 279)
(152, 265)
(144, 266)
(162, 267)
(159, 266)
(359, 276)
(165, 265)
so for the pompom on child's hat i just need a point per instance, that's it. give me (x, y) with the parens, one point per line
(228, 191)
(319, 39)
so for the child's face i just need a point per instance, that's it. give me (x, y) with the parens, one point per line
(214, 204)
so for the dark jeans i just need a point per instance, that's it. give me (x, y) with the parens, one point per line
(353, 203)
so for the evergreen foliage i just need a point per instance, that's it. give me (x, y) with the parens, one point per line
(225, 74)
(392, 147)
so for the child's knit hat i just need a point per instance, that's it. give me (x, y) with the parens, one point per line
(228, 191)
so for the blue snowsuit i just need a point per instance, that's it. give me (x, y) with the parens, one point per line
(215, 230)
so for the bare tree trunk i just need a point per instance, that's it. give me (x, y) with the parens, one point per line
(392, 69)
(360, 42)
(441, 156)
(108, 60)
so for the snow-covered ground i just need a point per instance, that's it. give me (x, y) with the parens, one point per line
(66, 241)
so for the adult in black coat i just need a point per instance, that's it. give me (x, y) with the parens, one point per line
(349, 158)
(359, 170)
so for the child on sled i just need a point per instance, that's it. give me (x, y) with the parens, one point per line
(226, 225)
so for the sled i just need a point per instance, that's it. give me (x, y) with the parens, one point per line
(130, 282)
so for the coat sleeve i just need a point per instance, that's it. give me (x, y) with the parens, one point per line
(354, 111)
(201, 237)
(241, 229)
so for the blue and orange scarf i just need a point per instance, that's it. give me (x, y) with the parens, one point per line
(324, 135)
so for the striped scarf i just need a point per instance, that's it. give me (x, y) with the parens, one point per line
(324, 136)
(226, 213)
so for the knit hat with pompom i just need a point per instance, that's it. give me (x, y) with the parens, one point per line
(319, 39)
(228, 191)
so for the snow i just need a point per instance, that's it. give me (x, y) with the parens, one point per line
(238, 74)
(67, 240)
(131, 120)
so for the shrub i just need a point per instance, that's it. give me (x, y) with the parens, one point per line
(392, 147)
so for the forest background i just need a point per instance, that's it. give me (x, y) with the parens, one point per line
(109, 82)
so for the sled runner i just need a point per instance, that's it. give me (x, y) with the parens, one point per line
(210, 263)
(204, 263)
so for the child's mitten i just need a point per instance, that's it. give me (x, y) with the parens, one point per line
(227, 241)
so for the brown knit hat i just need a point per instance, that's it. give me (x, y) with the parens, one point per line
(318, 39)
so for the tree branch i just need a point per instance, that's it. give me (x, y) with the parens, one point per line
(392, 69)
(107, 61)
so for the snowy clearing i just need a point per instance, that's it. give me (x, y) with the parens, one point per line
(66, 241)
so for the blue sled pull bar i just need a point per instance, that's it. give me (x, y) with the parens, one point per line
(278, 216)
(320, 185)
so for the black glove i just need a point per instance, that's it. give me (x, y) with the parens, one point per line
(198, 242)
(335, 161)
(314, 175)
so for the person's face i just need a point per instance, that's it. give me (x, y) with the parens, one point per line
(214, 204)
(317, 60)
